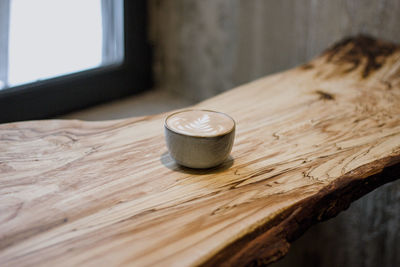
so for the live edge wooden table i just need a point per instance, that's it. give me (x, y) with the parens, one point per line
(309, 141)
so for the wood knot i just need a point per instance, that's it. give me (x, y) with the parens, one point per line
(307, 66)
(324, 95)
(359, 49)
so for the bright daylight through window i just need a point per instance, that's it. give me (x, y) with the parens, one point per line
(41, 39)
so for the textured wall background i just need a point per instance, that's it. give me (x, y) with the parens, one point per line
(203, 47)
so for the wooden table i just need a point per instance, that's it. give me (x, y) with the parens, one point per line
(309, 141)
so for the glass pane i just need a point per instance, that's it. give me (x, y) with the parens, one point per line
(50, 38)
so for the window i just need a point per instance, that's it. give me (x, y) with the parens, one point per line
(59, 55)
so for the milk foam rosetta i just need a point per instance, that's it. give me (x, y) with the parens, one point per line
(200, 123)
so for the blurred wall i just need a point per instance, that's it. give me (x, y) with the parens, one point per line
(203, 47)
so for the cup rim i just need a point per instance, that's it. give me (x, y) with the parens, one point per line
(200, 136)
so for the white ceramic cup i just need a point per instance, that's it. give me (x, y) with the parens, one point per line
(199, 138)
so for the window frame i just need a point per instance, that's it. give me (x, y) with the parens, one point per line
(63, 94)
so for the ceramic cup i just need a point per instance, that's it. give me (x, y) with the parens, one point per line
(199, 138)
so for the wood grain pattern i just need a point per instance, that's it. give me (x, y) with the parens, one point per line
(309, 141)
(204, 47)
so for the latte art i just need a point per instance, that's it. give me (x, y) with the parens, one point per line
(200, 123)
